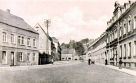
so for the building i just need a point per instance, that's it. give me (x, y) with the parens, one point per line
(68, 54)
(19, 41)
(97, 49)
(57, 56)
(121, 35)
(45, 44)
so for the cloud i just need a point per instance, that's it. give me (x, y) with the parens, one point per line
(72, 26)
(70, 19)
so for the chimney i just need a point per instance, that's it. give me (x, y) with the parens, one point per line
(8, 10)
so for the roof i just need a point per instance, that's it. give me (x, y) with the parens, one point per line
(96, 40)
(38, 25)
(15, 21)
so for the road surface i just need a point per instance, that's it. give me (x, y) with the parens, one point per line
(79, 73)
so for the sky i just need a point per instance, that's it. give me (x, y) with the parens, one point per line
(70, 19)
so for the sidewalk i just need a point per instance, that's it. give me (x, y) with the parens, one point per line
(128, 71)
(56, 64)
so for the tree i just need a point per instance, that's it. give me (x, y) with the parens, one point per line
(79, 48)
(84, 41)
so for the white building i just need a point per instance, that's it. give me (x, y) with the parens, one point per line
(19, 41)
(45, 42)
(97, 49)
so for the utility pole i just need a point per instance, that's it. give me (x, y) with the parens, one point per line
(46, 23)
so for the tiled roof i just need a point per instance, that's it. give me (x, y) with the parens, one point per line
(15, 21)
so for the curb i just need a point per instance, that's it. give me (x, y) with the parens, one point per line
(124, 70)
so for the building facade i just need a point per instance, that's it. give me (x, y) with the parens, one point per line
(97, 49)
(19, 41)
(121, 35)
(68, 54)
(45, 45)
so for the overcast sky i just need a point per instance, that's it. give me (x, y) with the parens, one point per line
(70, 19)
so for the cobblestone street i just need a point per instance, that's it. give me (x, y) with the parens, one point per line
(60, 73)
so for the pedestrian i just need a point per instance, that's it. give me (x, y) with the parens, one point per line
(89, 61)
(52, 61)
(120, 64)
(106, 62)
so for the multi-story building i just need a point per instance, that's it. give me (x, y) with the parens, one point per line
(121, 35)
(57, 50)
(97, 49)
(19, 41)
(45, 45)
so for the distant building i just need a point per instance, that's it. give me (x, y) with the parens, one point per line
(19, 41)
(97, 49)
(45, 45)
(68, 54)
(57, 56)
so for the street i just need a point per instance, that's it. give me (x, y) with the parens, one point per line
(76, 73)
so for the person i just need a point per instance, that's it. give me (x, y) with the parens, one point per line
(52, 61)
(120, 64)
(106, 62)
(89, 61)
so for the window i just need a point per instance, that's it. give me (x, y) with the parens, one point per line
(28, 41)
(121, 51)
(125, 29)
(22, 40)
(120, 32)
(12, 38)
(20, 56)
(125, 50)
(130, 49)
(135, 22)
(135, 48)
(4, 57)
(19, 40)
(33, 56)
(4, 37)
(115, 34)
(28, 55)
(34, 42)
(129, 25)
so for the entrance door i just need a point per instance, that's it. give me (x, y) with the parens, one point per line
(12, 58)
